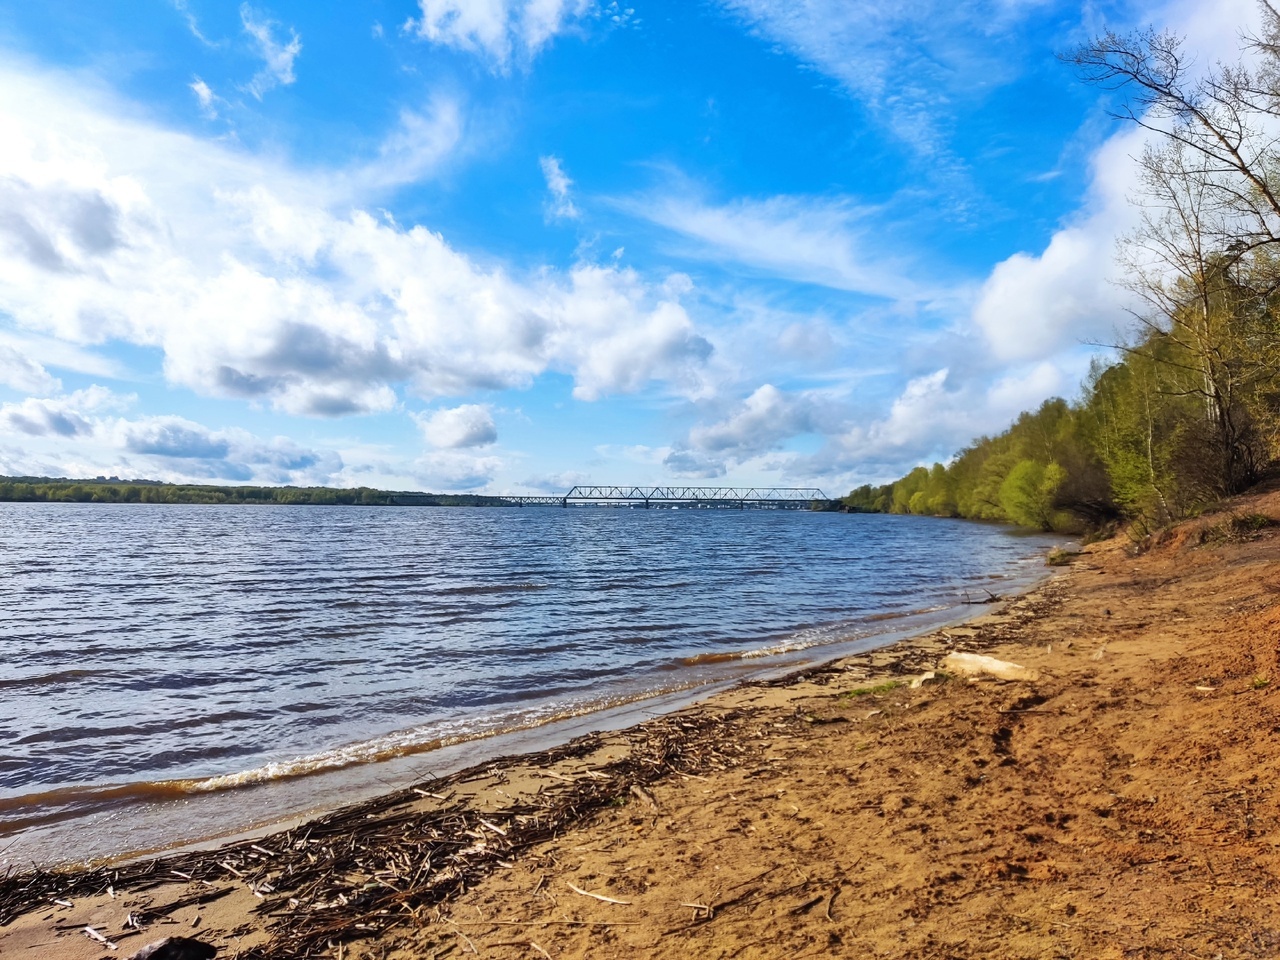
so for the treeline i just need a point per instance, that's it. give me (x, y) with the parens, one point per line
(49, 490)
(1190, 410)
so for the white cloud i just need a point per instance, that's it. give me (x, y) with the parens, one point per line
(51, 352)
(20, 372)
(497, 30)
(765, 418)
(845, 440)
(558, 183)
(207, 99)
(470, 425)
(831, 242)
(193, 24)
(909, 61)
(264, 282)
(556, 483)
(420, 142)
(80, 434)
(277, 57)
(54, 416)
(451, 470)
(1033, 305)
(760, 424)
(617, 333)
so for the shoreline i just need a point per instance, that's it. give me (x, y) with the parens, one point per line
(1117, 803)
(204, 861)
(277, 802)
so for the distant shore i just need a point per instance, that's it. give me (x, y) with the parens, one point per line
(1119, 802)
(115, 490)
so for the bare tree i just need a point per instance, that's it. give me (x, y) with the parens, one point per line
(1203, 258)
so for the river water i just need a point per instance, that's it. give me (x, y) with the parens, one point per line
(171, 673)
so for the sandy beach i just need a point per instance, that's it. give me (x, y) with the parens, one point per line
(1120, 803)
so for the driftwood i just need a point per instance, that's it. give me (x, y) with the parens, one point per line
(366, 869)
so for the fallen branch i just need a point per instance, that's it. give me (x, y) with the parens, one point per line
(597, 896)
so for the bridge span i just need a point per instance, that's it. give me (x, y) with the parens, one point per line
(740, 498)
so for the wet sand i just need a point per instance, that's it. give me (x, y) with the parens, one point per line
(1122, 804)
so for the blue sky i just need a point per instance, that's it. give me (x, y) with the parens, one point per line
(505, 245)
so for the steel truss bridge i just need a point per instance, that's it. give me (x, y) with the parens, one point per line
(763, 498)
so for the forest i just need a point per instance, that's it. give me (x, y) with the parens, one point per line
(113, 490)
(1186, 410)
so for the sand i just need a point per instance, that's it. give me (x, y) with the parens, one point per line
(1119, 802)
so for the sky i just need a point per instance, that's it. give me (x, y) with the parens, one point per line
(514, 245)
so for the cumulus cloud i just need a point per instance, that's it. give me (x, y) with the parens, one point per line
(767, 417)
(497, 30)
(845, 440)
(56, 226)
(470, 425)
(174, 437)
(20, 372)
(1032, 305)
(261, 282)
(44, 418)
(84, 432)
(73, 415)
(560, 205)
(277, 57)
(760, 424)
(451, 470)
(694, 465)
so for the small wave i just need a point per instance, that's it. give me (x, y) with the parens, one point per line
(705, 658)
(30, 809)
(807, 639)
(48, 679)
(487, 588)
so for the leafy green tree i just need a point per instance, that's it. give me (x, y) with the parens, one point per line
(1027, 493)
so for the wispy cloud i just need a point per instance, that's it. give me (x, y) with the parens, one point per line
(915, 65)
(832, 242)
(499, 31)
(561, 205)
(193, 25)
(277, 57)
(413, 149)
(207, 99)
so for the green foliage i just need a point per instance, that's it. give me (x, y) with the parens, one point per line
(1041, 472)
(1028, 491)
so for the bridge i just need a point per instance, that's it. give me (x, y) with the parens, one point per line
(739, 498)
